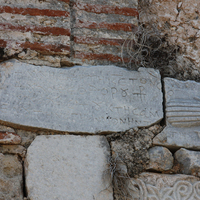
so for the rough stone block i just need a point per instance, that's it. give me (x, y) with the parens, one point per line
(161, 159)
(13, 149)
(10, 178)
(9, 138)
(182, 115)
(165, 187)
(189, 160)
(67, 167)
(79, 99)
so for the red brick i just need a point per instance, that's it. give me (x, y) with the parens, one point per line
(66, 1)
(102, 41)
(34, 11)
(107, 9)
(92, 56)
(37, 29)
(3, 43)
(45, 48)
(103, 25)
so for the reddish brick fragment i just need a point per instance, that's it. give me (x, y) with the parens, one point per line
(9, 138)
(102, 41)
(34, 11)
(66, 1)
(92, 56)
(36, 29)
(45, 48)
(3, 43)
(103, 25)
(107, 9)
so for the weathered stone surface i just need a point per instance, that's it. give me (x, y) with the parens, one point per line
(175, 138)
(182, 31)
(27, 137)
(13, 149)
(9, 138)
(10, 178)
(80, 99)
(68, 167)
(6, 129)
(132, 148)
(165, 187)
(182, 113)
(189, 160)
(161, 159)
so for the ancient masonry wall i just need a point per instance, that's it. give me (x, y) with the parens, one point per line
(96, 131)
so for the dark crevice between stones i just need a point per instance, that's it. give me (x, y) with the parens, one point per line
(163, 121)
(105, 174)
(24, 181)
(72, 22)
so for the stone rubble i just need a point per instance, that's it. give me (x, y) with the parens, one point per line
(189, 161)
(13, 149)
(160, 159)
(9, 138)
(10, 178)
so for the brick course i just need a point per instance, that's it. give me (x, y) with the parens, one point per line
(59, 33)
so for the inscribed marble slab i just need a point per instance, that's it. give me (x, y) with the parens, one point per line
(79, 99)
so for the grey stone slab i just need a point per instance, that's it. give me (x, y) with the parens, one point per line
(175, 138)
(189, 161)
(67, 167)
(182, 115)
(150, 186)
(80, 99)
(160, 159)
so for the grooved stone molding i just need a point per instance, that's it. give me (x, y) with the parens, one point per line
(67, 167)
(79, 99)
(164, 187)
(182, 115)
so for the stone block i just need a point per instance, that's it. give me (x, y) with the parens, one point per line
(13, 149)
(9, 138)
(10, 178)
(161, 159)
(67, 167)
(165, 187)
(189, 161)
(79, 99)
(182, 115)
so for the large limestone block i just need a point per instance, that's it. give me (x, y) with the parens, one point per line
(182, 115)
(79, 99)
(67, 167)
(150, 186)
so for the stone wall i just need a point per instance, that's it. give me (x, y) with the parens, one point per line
(66, 33)
(99, 132)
